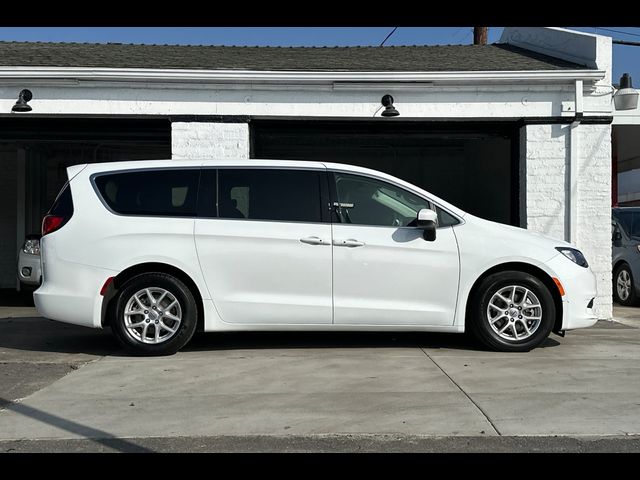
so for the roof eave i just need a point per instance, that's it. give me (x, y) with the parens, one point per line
(290, 77)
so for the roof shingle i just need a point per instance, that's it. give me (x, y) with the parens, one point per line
(440, 58)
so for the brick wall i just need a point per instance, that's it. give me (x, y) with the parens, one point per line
(546, 149)
(594, 209)
(209, 140)
(547, 159)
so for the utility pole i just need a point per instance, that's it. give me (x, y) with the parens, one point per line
(480, 35)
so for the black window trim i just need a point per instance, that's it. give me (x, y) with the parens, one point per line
(334, 198)
(204, 212)
(93, 176)
(328, 194)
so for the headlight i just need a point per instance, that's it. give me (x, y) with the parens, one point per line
(574, 255)
(31, 247)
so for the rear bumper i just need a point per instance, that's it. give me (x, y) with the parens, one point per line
(70, 293)
(580, 290)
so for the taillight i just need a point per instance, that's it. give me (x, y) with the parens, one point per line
(51, 223)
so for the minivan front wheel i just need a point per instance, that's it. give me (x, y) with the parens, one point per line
(512, 311)
(156, 314)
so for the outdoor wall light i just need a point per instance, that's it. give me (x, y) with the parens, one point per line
(626, 98)
(389, 111)
(21, 105)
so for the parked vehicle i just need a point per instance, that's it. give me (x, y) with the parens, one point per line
(29, 271)
(158, 249)
(625, 224)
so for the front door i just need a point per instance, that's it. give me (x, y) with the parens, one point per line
(265, 250)
(385, 273)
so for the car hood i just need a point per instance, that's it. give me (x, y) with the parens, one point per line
(508, 240)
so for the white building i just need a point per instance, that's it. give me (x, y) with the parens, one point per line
(518, 132)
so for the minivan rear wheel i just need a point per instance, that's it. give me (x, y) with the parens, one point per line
(511, 311)
(156, 314)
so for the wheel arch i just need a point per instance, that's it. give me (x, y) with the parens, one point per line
(537, 272)
(128, 273)
(618, 264)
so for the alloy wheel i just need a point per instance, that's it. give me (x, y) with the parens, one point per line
(514, 312)
(623, 285)
(152, 315)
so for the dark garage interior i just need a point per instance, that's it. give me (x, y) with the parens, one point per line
(472, 165)
(34, 154)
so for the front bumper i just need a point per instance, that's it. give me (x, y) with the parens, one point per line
(580, 292)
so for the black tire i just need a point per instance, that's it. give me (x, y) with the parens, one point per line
(632, 299)
(477, 317)
(185, 329)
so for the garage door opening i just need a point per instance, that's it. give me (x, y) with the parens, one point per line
(472, 165)
(34, 155)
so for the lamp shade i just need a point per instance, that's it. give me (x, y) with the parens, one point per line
(626, 98)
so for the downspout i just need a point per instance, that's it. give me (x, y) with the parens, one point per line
(574, 150)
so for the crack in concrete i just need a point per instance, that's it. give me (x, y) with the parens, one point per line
(484, 414)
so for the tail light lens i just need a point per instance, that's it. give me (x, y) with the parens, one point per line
(51, 223)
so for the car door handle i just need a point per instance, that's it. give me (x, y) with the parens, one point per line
(314, 241)
(350, 242)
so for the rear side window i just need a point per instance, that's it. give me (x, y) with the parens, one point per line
(63, 204)
(170, 192)
(269, 194)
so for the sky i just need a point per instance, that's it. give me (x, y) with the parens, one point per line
(625, 58)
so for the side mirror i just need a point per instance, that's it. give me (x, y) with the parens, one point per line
(428, 221)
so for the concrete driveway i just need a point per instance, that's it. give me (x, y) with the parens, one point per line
(66, 388)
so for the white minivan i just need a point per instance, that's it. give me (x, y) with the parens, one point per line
(158, 249)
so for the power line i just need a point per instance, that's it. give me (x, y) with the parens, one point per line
(619, 31)
(457, 32)
(392, 32)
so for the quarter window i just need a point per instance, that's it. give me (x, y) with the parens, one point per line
(445, 219)
(151, 192)
(63, 204)
(270, 194)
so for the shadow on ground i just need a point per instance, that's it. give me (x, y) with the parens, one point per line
(9, 297)
(41, 335)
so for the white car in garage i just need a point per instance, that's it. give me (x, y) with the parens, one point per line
(157, 249)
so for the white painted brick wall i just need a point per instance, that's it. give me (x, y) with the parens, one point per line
(209, 140)
(594, 209)
(546, 149)
(547, 158)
